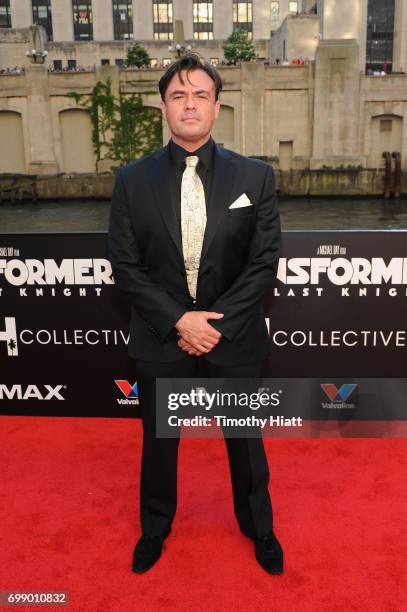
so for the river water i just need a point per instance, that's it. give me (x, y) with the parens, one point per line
(296, 214)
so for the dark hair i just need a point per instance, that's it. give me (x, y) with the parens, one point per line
(188, 62)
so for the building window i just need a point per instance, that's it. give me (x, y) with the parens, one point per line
(163, 27)
(214, 61)
(274, 13)
(380, 34)
(153, 62)
(105, 62)
(71, 64)
(119, 62)
(386, 125)
(243, 17)
(57, 64)
(203, 20)
(42, 15)
(167, 61)
(5, 14)
(82, 19)
(293, 7)
(123, 20)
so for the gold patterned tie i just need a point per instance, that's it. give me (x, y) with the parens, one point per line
(193, 220)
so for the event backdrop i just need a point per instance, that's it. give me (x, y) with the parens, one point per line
(336, 316)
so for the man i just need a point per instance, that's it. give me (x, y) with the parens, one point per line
(194, 241)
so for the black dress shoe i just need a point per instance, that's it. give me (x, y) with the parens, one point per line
(147, 552)
(269, 553)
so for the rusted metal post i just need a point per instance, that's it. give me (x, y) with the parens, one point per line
(397, 175)
(387, 175)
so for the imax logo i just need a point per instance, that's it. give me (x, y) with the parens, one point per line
(17, 392)
(9, 336)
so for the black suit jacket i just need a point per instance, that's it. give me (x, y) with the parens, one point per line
(238, 261)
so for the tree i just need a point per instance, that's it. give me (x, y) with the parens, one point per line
(123, 129)
(137, 56)
(137, 129)
(239, 47)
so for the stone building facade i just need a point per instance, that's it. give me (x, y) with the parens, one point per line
(327, 113)
(108, 26)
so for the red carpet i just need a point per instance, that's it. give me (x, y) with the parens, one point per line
(69, 521)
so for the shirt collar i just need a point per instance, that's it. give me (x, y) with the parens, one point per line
(178, 154)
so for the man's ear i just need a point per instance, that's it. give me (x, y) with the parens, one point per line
(217, 109)
(163, 109)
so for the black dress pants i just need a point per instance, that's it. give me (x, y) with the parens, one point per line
(158, 482)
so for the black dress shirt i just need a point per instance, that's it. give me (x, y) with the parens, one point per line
(204, 170)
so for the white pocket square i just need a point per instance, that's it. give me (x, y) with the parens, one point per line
(241, 201)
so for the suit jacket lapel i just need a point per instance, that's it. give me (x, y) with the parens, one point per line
(224, 176)
(160, 180)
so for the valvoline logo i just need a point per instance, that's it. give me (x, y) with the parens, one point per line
(129, 391)
(338, 395)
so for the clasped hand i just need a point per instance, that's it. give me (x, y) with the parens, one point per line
(197, 335)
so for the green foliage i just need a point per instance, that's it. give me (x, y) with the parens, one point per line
(137, 56)
(123, 129)
(238, 47)
(342, 167)
(101, 109)
(137, 130)
(358, 167)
